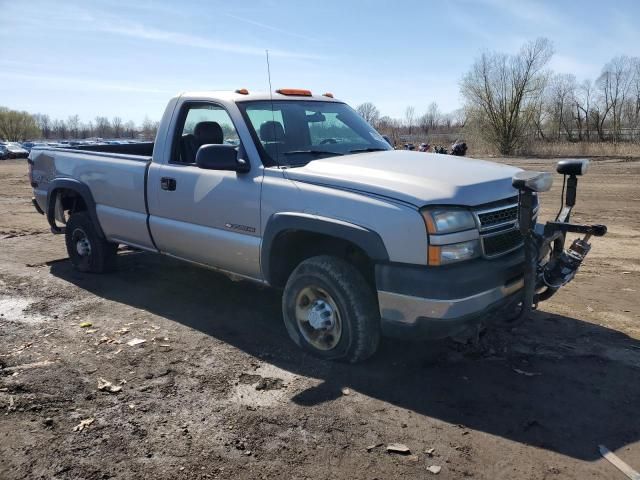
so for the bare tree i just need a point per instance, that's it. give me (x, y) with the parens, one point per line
(116, 125)
(102, 127)
(458, 118)
(433, 116)
(635, 96)
(561, 98)
(44, 124)
(502, 91)
(86, 130)
(60, 129)
(130, 129)
(369, 112)
(614, 84)
(409, 116)
(73, 124)
(390, 127)
(583, 102)
(149, 128)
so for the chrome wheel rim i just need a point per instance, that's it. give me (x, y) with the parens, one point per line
(81, 241)
(318, 318)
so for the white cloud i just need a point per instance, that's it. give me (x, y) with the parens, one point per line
(188, 40)
(269, 27)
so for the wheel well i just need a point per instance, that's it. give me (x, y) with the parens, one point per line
(71, 200)
(294, 246)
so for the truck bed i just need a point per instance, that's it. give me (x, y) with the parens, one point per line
(116, 182)
(143, 149)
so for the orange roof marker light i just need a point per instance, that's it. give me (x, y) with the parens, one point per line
(330, 95)
(294, 91)
(242, 91)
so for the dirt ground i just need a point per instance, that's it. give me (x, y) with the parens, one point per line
(217, 390)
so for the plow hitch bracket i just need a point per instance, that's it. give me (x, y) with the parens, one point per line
(548, 265)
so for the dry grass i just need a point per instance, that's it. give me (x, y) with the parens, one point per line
(477, 147)
(582, 149)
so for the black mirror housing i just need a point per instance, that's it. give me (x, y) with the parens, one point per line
(572, 167)
(220, 157)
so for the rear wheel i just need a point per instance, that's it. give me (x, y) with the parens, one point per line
(330, 310)
(88, 251)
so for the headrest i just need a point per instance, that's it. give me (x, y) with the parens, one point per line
(208, 132)
(271, 131)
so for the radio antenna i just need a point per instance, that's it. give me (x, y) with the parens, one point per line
(273, 114)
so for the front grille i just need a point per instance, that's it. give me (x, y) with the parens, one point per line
(502, 242)
(498, 217)
(498, 223)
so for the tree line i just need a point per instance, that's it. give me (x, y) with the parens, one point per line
(513, 100)
(20, 125)
(414, 125)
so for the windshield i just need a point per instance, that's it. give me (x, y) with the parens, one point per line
(294, 132)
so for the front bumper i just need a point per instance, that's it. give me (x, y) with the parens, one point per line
(437, 302)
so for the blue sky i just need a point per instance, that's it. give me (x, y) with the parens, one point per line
(128, 57)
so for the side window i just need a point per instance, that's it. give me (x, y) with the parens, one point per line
(203, 124)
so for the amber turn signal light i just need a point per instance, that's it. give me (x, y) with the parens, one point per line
(294, 91)
(434, 257)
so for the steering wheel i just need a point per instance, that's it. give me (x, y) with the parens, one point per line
(328, 140)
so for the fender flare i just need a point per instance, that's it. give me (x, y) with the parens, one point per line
(366, 239)
(82, 190)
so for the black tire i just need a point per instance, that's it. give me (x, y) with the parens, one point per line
(88, 251)
(348, 291)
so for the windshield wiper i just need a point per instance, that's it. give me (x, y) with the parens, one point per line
(370, 149)
(312, 152)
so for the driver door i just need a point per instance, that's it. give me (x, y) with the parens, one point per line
(206, 216)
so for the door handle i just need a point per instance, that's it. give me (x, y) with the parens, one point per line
(167, 183)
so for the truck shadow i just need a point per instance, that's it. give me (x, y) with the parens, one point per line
(559, 383)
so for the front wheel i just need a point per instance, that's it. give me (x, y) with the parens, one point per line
(330, 310)
(87, 250)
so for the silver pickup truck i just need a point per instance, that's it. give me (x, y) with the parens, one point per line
(298, 192)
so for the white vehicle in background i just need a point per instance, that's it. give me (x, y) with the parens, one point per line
(15, 150)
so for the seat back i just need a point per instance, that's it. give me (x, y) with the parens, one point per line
(204, 133)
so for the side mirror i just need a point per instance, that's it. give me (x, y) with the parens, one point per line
(220, 157)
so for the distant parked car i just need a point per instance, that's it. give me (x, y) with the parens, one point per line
(4, 153)
(28, 146)
(16, 151)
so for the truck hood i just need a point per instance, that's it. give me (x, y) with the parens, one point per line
(413, 177)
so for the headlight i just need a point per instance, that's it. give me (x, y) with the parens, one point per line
(447, 220)
(455, 252)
